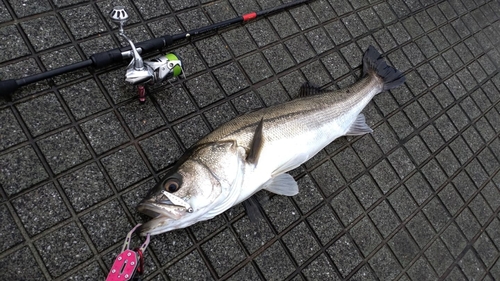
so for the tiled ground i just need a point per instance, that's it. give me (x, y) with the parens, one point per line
(419, 199)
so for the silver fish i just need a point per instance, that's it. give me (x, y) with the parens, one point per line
(254, 151)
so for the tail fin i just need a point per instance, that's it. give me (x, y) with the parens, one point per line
(374, 63)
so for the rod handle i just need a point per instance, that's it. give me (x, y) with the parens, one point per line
(8, 87)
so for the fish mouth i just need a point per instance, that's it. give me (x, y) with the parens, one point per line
(161, 214)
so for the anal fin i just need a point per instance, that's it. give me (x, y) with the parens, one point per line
(359, 127)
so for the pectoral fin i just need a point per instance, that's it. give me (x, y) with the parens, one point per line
(359, 127)
(283, 184)
(256, 146)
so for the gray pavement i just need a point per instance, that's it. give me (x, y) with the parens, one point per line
(419, 199)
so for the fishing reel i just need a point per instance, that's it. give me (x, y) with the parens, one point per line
(141, 72)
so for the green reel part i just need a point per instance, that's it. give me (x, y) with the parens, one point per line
(177, 69)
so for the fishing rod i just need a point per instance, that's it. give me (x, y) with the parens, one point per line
(139, 71)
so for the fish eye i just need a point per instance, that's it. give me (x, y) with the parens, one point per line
(172, 185)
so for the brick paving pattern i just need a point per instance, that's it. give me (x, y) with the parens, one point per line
(419, 199)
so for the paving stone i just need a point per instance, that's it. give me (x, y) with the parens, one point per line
(10, 131)
(30, 269)
(401, 163)
(348, 164)
(320, 269)
(486, 249)
(421, 270)
(197, 268)
(281, 212)
(301, 243)
(247, 103)
(456, 274)
(401, 125)
(309, 195)
(316, 74)
(63, 249)
(385, 264)
(20, 169)
(9, 233)
(228, 253)
(45, 32)
(213, 51)
(40, 209)
(141, 118)
(43, 114)
(436, 213)
(92, 271)
(434, 174)
(104, 132)
(420, 229)
(255, 67)
(219, 115)
(324, 224)
(239, 41)
(85, 187)
(345, 255)
(170, 245)
(191, 130)
(125, 167)
(461, 150)
(273, 93)
(106, 225)
(451, 199)
(476, 173)
(204, 90)
(337, 32)
(386, 179)
(464, 185)
(322, 10)
(279, 269)
(366, 191)
(439, 257)
(246, 272)
(64, 150)
(417, 149)
(443, 96)
(368, 150)
(284, 24)
(384, 218)
(467, 223)
(347, 207)
(341, 7)
(161, 149)
(13, 45)
(262, 32)
(303, 16)
(480, 209)
(84, 98)
(87, 22)
(364, 274)
(253, 235)
(471, 266)
(231, 78)
(384, 12)
(365, 235)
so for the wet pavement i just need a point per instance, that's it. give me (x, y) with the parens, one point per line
(419, 199)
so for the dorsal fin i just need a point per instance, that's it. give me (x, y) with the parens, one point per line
(308, 89)
(256, 145)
